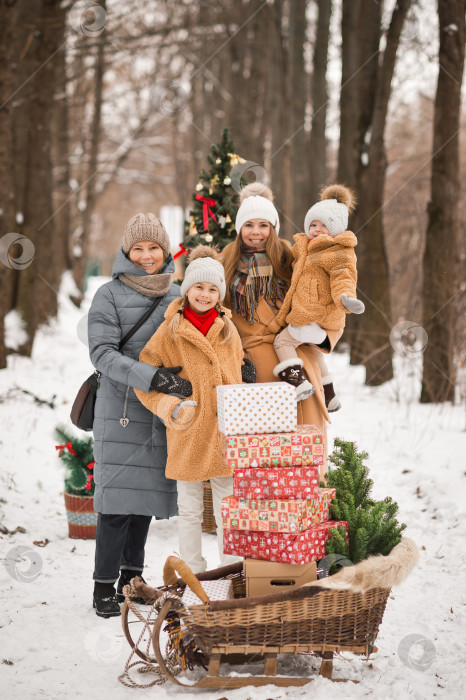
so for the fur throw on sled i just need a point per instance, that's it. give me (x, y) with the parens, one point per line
(376, 571)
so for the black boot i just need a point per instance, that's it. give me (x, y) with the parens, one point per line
(332, 402)
(104, 600)
(125, 577)
(291, 371)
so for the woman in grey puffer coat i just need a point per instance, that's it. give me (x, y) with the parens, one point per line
(130, 443)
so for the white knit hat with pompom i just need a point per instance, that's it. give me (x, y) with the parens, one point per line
(337, 201)
(256, 202)
(204, 266)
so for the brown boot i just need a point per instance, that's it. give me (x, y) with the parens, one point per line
(291, 371)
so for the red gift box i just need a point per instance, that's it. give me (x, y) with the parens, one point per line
(294, 483)
(301, 448)
(276, 515)
(286, 547)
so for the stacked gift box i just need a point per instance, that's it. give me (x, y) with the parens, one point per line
(277, 512)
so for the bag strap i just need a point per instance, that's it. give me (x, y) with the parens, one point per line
(138, 325)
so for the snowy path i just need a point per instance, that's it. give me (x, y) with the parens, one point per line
(53, 645)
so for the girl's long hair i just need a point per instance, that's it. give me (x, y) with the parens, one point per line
(228, 330)
(278, 251)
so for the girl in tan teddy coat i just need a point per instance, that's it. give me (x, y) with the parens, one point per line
(322, 291)
(198, 341)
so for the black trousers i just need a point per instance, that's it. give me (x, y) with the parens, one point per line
(120, 543)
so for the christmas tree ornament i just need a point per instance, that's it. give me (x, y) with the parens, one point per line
(209, 238)
(192, 227)
(222, 221)
(227, 181)
(207, 205)
(199, 187)
(227, 219)
(218, 161)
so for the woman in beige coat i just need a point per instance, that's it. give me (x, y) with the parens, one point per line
(258, 269)
(198, 341)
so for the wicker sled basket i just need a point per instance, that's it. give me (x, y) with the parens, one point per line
(340, 613)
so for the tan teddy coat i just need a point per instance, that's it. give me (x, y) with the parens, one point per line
(194, 450)
(324, 269)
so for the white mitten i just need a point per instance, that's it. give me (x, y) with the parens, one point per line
(310, 333)
(356, 306)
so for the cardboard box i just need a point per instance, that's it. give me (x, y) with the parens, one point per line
(276, 515)
(286, 547)
(303, 447)
(290, 483)
(245, 409)
(266, 577)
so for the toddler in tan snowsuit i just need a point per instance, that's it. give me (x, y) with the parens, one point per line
(322, 291)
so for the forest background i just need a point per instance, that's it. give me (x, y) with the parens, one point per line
(110, 108)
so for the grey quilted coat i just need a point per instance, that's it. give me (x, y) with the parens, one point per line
(130, 461)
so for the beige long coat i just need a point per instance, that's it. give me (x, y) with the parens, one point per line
(324, 269)
(193, 442)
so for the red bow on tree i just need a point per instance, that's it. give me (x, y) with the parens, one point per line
(206, 210)
(90, 465)
(180, 252)
(68, 446)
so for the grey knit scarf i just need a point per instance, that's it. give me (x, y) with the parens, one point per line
(151, 286)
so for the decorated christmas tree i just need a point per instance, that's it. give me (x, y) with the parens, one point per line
(212, 217)
(77, 455)
(372, 525)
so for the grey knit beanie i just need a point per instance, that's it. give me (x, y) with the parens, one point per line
(337, 201)
(145, 227)
(204, 266)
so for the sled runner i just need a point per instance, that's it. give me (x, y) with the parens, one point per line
(339, 613)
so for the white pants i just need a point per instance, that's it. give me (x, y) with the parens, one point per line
(190, 512)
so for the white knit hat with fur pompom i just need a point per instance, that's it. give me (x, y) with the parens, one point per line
(204, 266)
(256, 202)
(337, 201)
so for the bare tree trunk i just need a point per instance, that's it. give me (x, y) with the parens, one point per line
(8, 18)
(79, 261)
(36, 297)
(60, 153)
(278, 162)
(318, 170)
(440, 255)
(373, 339)
(348, 152)
(299, 142)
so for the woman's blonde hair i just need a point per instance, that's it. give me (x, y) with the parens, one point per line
(278, 251)
(228, 329)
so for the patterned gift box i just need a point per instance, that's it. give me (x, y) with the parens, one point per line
(274, 515)
(303, 447)
(294, 483)
(290, 548)
(221, 589)
(245, 409)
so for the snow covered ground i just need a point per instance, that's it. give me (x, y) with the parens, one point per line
(53, 645)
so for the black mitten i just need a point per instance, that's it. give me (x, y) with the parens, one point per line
(166, 381)
(248, 371)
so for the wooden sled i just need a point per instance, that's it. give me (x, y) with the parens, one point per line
(339, 614)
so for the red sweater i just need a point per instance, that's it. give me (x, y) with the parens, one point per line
(202, 322)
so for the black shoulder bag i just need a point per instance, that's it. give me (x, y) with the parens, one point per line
(82, 411)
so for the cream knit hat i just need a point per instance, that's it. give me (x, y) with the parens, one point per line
(256, 202)
(145, 227)
(337, 201)
(204, 266)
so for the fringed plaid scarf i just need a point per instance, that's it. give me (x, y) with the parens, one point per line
(254, 281)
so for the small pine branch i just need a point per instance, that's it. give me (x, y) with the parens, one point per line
(372, 525)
